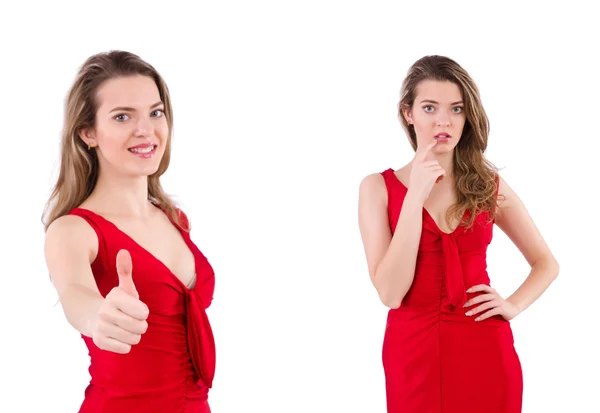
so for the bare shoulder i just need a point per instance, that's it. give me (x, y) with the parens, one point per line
(372, 187)
(70, 241)
(70, 227)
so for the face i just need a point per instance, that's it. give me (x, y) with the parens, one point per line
(437, 114)
(131, 130)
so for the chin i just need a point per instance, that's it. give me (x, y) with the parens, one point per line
(148, 171)
(445, 147)
(439, 149)
(141, 171)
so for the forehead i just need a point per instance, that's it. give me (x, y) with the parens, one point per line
(440, 91)
(138, 92)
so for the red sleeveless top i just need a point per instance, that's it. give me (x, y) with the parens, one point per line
(436, 358)
(172, 367)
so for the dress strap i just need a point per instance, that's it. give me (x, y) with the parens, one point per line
(90, 218)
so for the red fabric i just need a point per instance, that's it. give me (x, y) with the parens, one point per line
(436, 359)
(172, 368)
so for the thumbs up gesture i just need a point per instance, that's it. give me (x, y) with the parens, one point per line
(121, 318)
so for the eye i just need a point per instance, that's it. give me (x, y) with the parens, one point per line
(158, 113)
(120, 117)
(457, 109)
(428, 108)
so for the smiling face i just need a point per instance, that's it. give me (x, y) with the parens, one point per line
(437, 113)
(131, 131)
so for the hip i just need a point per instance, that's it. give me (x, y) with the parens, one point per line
(176, 400)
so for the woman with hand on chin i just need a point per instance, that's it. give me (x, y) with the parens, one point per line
(118, 250)
(425, 228)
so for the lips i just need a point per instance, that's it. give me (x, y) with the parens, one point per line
(443, 135)
(145, 150)
(143, 146)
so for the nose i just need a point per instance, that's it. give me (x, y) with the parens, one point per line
(443, 121)
(143, 127)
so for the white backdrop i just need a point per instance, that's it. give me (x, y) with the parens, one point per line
(281, 109)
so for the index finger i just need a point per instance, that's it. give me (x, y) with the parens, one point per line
(481, 287)
(422, 154)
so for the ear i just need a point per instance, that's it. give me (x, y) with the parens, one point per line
(407, 113)
(88, 137)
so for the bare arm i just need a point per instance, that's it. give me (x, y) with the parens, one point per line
(391, 259)
(514, 220)
(71, 246)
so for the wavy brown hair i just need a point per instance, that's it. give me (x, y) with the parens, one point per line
(79, 167)
(475, 176)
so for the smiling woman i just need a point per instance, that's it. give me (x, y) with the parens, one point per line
(119, 251)
(141, 128)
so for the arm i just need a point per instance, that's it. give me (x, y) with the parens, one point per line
(71, 246)
(514, 220)
(391, 259)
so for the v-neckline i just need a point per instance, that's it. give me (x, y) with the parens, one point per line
(152, 256)
(427, 212)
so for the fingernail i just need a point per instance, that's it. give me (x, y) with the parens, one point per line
(468, 313)
(477, 319)
(469, 290)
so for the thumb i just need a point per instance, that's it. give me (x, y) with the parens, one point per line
(124, 271)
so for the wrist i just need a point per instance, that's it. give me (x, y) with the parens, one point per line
(413, 200)
(518, 306)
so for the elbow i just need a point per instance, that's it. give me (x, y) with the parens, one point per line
(391, 301)
(391, 293)
(392, 305)
(552, 267)
(389, 296)
(548, 266)
(555, 268)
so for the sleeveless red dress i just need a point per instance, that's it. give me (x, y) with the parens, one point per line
(172, 368)
(435, 358)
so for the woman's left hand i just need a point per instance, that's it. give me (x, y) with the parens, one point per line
(492, 302)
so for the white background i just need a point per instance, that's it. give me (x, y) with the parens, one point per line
(281, 108)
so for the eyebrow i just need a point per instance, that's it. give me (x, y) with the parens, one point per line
(128, 109)
(437, 103)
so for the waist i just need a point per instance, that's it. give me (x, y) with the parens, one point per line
(430, 286)
(440, 313)
(161, 361)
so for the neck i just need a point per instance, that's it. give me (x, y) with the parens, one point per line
(122, 196)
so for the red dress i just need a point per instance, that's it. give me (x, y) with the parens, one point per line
(436, 359)
(171, 369)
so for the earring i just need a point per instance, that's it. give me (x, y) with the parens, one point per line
(89, 147)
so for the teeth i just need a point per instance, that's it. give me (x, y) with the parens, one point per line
(142, 150)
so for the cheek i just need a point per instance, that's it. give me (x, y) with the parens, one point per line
(460, 125)
(161, 129)
(112, 138)
(421, 118)
(423, 125)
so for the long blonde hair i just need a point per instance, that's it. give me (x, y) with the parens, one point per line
(475, 176)
(79, 167)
